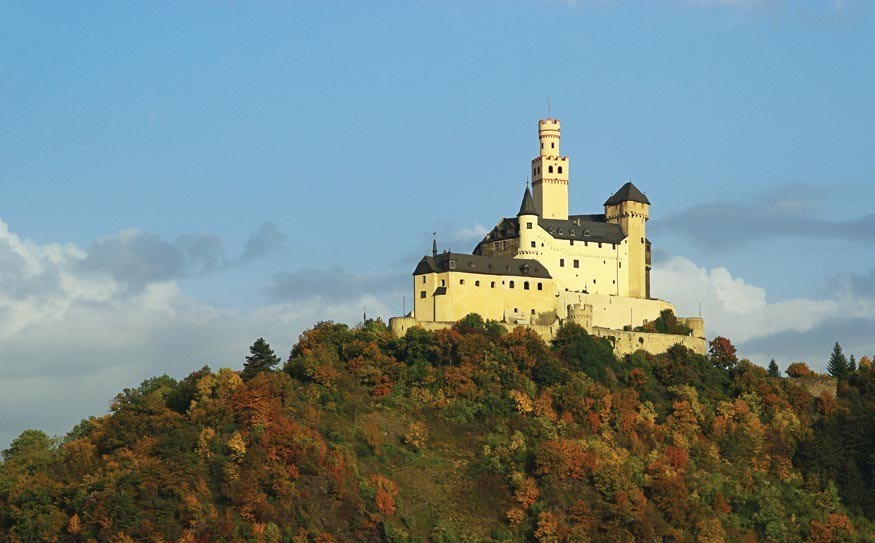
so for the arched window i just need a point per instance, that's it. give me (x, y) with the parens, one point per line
(511, 284)
(560, 169)
(540, 286)
(550, 169)
(526, 285)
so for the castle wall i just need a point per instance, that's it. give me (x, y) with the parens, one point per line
(496, 297)
(629, 342)
(616, 311)
(624, 342)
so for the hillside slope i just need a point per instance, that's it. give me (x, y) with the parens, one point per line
(462, 435)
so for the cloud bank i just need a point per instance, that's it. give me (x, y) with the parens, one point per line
(77, 325)
(793, 329)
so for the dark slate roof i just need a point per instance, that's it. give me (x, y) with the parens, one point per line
(627, 193)
(491, 265)
(577, 227)
(528, 205)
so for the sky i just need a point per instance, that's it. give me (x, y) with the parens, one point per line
(179, 179)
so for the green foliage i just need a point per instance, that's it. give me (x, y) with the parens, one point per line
(838, 363)
(774, 371)
(665, 323)
(261, 358)
(575, 347)
(461, 435)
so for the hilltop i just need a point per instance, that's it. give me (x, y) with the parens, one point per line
(459, 435)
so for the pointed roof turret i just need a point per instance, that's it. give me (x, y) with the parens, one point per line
(627, 193)
(528, 205)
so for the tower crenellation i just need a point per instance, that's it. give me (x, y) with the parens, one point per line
(550, 173)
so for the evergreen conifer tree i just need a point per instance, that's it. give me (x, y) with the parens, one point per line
(773, 369)
(838, 364)
(261, 359)
(852, 364)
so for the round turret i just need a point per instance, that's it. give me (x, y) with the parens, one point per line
(548, 134)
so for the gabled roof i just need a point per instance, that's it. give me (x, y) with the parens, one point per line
(590, 228)
(627, 193)
(491, 265)
(528, 205)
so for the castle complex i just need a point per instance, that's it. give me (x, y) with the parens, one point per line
(545, 266)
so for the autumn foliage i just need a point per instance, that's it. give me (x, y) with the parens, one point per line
(466, 434)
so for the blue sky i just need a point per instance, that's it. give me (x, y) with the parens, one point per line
(177, 180)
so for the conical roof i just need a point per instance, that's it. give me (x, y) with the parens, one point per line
(627, 193)
(528, 205)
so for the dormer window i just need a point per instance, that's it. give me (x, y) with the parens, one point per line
(586, 233)
(560, 230)
(572, 232)
(452, 264)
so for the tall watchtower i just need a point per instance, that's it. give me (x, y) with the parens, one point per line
(550, 173)
(630, 208)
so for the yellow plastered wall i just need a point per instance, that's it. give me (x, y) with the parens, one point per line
(493, 297)
(600, 267)
(632, 218)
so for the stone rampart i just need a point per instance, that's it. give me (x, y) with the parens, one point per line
(624, 342)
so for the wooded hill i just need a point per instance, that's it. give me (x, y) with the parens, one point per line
(463, 435)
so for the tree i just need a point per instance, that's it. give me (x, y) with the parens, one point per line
(721, 351)
(798, 369)
(838, 364)
(852, 364)
(261, 359)
(773, 369)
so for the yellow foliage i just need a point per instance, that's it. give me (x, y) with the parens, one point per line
(238, 447)
(416, 435)
(522, 401)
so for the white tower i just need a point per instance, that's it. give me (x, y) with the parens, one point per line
(550, 173)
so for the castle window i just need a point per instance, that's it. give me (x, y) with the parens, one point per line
(528, 226)
(492, 284)
(452, 264)
(550, 169)
(443, 282)
(533, 311)
(561, 262)
(526, 285)
(560, 230)
(476, 283)
(572, 242)
(586, 233)
(422, 294)
(576, 263)
(560, 169)
(511, 284)
(572, 232)
(495, 246)
(600, 245)
(540, 286)
(542, 145)
(642, 240)
(423, 279)
(620, 264)
(552, 145)
(461, 281)
(534, 244)
(593, 281)
(503, 245)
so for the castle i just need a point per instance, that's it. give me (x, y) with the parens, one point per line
(544, 266)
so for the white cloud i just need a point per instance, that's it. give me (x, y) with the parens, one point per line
(470, 234)
(740, 311)
(70, 338)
